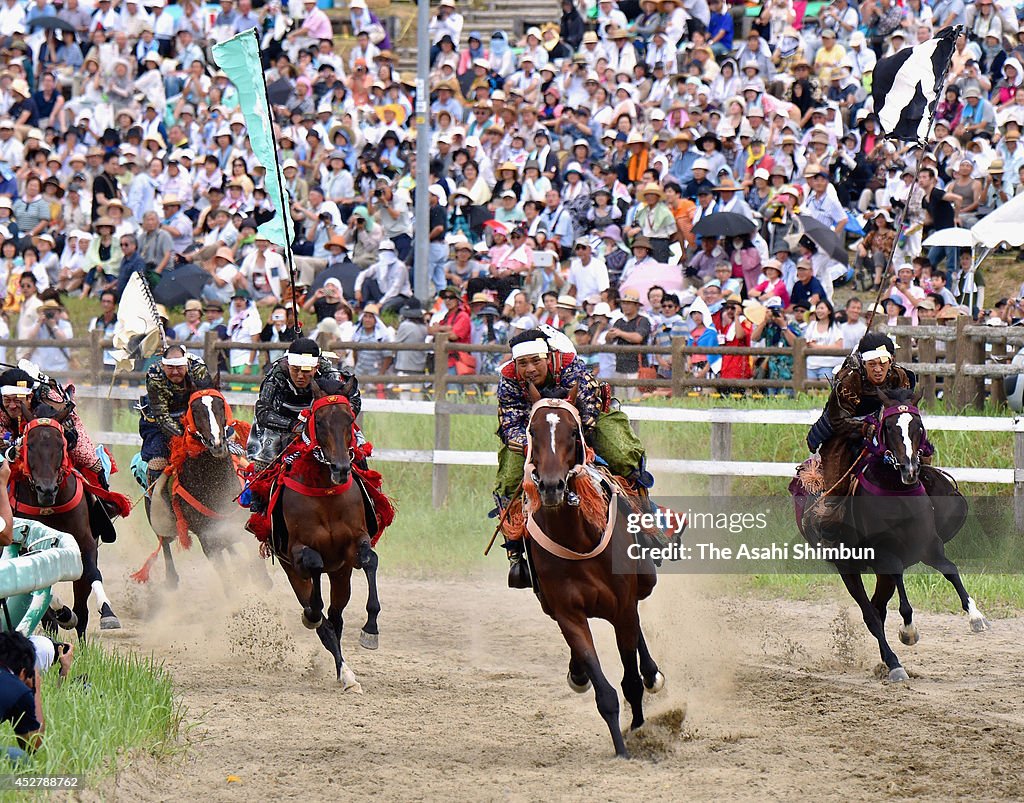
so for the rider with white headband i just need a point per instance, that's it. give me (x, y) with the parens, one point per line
(168, 395)
(839, 434)
(538, 358)
(286, 392)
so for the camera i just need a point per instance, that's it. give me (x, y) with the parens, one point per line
(378, 193)
(325, 217)
(50, 314)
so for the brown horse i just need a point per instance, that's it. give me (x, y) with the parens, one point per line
(46, 489)
(323, 513)
(204, 485)
(578, 551)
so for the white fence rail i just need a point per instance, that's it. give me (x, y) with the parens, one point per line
(721, 470)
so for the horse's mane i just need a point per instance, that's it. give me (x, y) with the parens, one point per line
(900, 395)
(44, 410)
(554, 392)
(332, 387)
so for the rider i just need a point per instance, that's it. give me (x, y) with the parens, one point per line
(168, 394)
(846, 422)
(18, 385)
(536, 359)
(285, 393)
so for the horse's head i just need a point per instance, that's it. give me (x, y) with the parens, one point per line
(331, 426)
(556, 445)
(209, 413)
(46, 451)
(902, 432)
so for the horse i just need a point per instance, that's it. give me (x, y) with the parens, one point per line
(203, 484)
(45, 488)
(578, 553)
(893, 524)
(322, 512)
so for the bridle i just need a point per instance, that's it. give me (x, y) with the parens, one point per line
(309, 430)
(20, 469)
(888, 458)
(583, 454)
(188, 420)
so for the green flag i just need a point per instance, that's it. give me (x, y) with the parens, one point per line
(239, 58)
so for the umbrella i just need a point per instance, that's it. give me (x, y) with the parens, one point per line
(644, 278)
(279, 92)
(184, 282)
(724, 224)
(1002, 225)
(955, 237)
(51, 22)
(345, 272)
(821, 235)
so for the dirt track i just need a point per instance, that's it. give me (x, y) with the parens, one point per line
(466, 699)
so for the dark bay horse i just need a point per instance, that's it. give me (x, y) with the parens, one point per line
(323, 512)
(204, 484)
(46, 489)
(578, 554)
(892, 515)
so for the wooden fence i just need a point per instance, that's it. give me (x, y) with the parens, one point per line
(966, 362)
(721, 468)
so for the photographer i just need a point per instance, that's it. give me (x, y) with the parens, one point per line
(362, 237)
(392, 212)
(776, 329)
(322, 218)
(51, 325)
(21, 701)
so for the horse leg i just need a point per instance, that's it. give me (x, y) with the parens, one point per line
(369, 636)
(855, 585)
(908, 630)
(627, 637)
(577, 676)
(308, 562)
(576, 632)
(885, 586)
(172, 573)
(341, 593)
(654, 681)
(62, 614)
(108, 620)
(949, 570)
(80, 606)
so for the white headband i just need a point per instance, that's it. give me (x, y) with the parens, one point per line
(303, 360)
(176, 361)
(881, 353)
(529, 348)
(15, 390)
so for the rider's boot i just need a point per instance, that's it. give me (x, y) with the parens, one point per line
(257, 523)
(518, 570)
(101, 477)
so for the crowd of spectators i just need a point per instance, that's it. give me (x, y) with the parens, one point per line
(569, 168)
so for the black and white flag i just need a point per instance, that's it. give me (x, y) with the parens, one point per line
(906, 86)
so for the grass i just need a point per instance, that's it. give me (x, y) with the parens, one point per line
(113, 703)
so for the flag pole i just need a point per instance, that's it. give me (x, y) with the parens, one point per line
(922, 143)
(285, 213)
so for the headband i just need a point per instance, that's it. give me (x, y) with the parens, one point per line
(303, 360)
(15, 390)
(529, 348)
(881, 353)
(176, 361)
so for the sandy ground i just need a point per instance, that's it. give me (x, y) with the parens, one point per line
(466, 699)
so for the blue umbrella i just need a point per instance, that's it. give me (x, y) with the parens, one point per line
(179, 285)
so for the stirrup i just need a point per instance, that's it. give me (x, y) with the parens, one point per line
(519, 574)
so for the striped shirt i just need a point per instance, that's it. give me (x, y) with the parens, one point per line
(825, 209)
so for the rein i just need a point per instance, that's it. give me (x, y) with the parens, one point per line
(582, 466)
(314, 450)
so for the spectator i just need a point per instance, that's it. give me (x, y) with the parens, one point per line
(632, 329)
(131, 262)
(21, 701)
(822, 332)
(51, 324)
(279, 329)
(106, 322)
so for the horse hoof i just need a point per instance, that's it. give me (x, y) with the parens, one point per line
(909, 635)
(657, 685)
(369, 641)
(67, 619)
(898, 675)
(347, 679)
(576, 687)
(311, 624)
(110, 623)
(979, 625)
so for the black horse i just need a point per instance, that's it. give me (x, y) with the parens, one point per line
(892, 524)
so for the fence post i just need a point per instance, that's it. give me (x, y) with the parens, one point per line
(997, 390)
(442, 420)
(927, 352)
(961, 383)
(721, 450)
(799, 365)
(678, 366)
(210, 351)
(96, 352)
(904, 343)
(1018, 467)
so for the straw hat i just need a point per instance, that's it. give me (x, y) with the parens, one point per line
(653, 189)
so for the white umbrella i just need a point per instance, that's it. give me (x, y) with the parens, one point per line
(1002, 225)
(954, 237)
